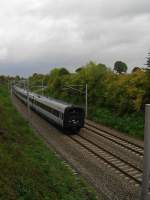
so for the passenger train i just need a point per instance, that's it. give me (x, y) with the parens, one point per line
(64, 115)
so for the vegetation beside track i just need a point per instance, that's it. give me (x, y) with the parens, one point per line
(132, 124)
(28, 169)
(114, 99)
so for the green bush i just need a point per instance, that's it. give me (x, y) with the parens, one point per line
(123, 94)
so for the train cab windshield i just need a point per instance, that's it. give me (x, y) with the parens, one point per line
(74, 117)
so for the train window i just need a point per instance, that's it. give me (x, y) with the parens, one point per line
(55, 112)
(24, 96)
(47, 108)
(43, 106)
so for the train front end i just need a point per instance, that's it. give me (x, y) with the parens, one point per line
(74, 118)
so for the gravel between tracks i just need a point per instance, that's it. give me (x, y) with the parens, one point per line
(108, 182)
(117, 133)
(114, 148)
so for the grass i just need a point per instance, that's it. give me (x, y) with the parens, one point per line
(131, 124)
(28, 169)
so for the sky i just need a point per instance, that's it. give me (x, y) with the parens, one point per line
(38, 35)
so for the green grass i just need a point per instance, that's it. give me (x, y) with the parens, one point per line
(28, 169)
(131, 124)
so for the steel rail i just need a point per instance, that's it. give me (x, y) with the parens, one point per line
(112, 154)
(113, 138)
(77, 140)
(125, 140)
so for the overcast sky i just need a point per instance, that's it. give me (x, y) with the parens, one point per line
(37, 35)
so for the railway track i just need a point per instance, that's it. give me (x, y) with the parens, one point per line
(117, 140)
(123, 167)
(107, 170)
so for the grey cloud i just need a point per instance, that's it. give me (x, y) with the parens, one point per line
(88, 8)
(36, 35)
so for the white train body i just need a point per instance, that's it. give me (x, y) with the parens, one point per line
(63, 114)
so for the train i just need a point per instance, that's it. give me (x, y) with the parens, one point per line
(66, 116)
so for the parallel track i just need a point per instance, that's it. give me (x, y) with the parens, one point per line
(126, 144)
(123, 167)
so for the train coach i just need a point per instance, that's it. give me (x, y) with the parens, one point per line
(64, 115)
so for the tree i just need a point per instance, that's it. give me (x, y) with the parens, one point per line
(17, 78)
(148, 61)
(78, 69)
(120, 67)
(102, 66)
(136, 69)
(63, 71)
(147, 69)
(146, 98)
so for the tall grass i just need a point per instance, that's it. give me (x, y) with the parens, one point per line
(28, 169)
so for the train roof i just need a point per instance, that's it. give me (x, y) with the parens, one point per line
(20, 89)
(56, 104)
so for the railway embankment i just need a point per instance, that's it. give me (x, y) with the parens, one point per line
(28, 168)
(110, 162)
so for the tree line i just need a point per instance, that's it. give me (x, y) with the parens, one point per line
(115, 89)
